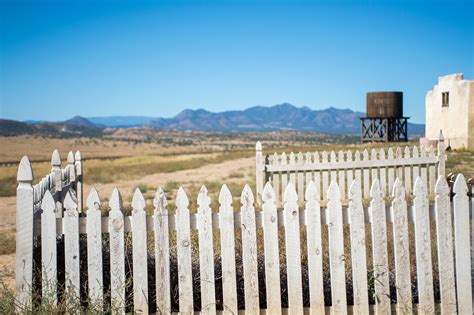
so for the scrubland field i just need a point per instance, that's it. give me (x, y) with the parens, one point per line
(148, 159)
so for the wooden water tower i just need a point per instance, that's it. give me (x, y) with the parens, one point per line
(384, 121)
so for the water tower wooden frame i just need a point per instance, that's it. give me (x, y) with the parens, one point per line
(384, 121)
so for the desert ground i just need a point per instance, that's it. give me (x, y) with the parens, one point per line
(148, 160)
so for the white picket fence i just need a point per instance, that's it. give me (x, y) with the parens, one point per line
(452, 229)
(345, 166)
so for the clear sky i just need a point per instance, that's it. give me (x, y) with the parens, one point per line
(101, 58)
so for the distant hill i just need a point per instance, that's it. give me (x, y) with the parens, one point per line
(50, 129)
(258, 118)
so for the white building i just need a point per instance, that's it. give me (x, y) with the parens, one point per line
(450, 109)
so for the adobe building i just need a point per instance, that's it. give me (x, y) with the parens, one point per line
(450, 109)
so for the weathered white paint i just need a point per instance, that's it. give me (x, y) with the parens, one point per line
(94, 248)
(48, 250)
(140, 266)
(293, 252)
(117, 254)
(71, 247)
(162, 252)
(249, 250)
(272, 258)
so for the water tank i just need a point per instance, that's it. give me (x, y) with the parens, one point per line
(385, 104)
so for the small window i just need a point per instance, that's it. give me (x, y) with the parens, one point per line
(445, 99)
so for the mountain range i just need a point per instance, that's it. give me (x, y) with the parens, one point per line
(258, 118)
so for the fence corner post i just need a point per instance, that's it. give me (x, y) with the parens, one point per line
(259, 171)
(24, 236)
(441, 155)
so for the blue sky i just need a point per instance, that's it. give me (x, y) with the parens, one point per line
(90, 58)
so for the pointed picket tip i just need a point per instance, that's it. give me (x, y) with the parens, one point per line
(93, 200)
(460, 186)
(375, 190)
(418, 188)
(69, 202)
(225, 195)
(203, 197)
(382, 154)
(78, 156)
(441, 185)
(258, 146)
(48, 204)
(333, 191)
(70, 158)
(290, 194)
(160, 198)
(398, 189)
(115, 201)
(25, 172)
(268, 193)
(247, 195)
(275, 158)
(373, 154)
(56, 158)
(311, 191)
(138, 201)
(415, 151)
(182, 198)
(355, 189)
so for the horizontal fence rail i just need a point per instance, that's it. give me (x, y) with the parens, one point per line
(344, 166)
(289, 260)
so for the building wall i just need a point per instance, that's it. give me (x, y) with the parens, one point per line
(456, 120)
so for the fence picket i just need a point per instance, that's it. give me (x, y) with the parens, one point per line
(408, 171)
(272, 260)
(336, 250)
(276, 178)
(229, 282)
(206, 253)
(315, 250)
(432, 171)
(139, 241)
(401, 248)
(416, 168)
(462, 242)
(317, 174)
(284, 174)
(117, 253)
(183, 244)
(423, 248)
(358, 171)
(293, 251)
(374, 172)
(309, 174)
(49, 250)
(365, 171)
(383, 174)
(325, 176)
(358, 250)
(444, 232)
(399, 168)
(424, 170)
(379, 249)
(162, 252)
(292, 165)
(71, 247)
(300, 178)
(78, 165)
(249, 250)
(349, 171)
(391, 171)
(333, 172)
(94, 248)
(342, 177)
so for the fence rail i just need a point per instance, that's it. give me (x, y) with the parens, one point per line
(344, 166)
(174, 229)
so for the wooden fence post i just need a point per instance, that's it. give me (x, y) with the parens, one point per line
(57, 181)
(441, 155)
(71, 167)
(259, 171)
(24, 235)
(79, 179)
